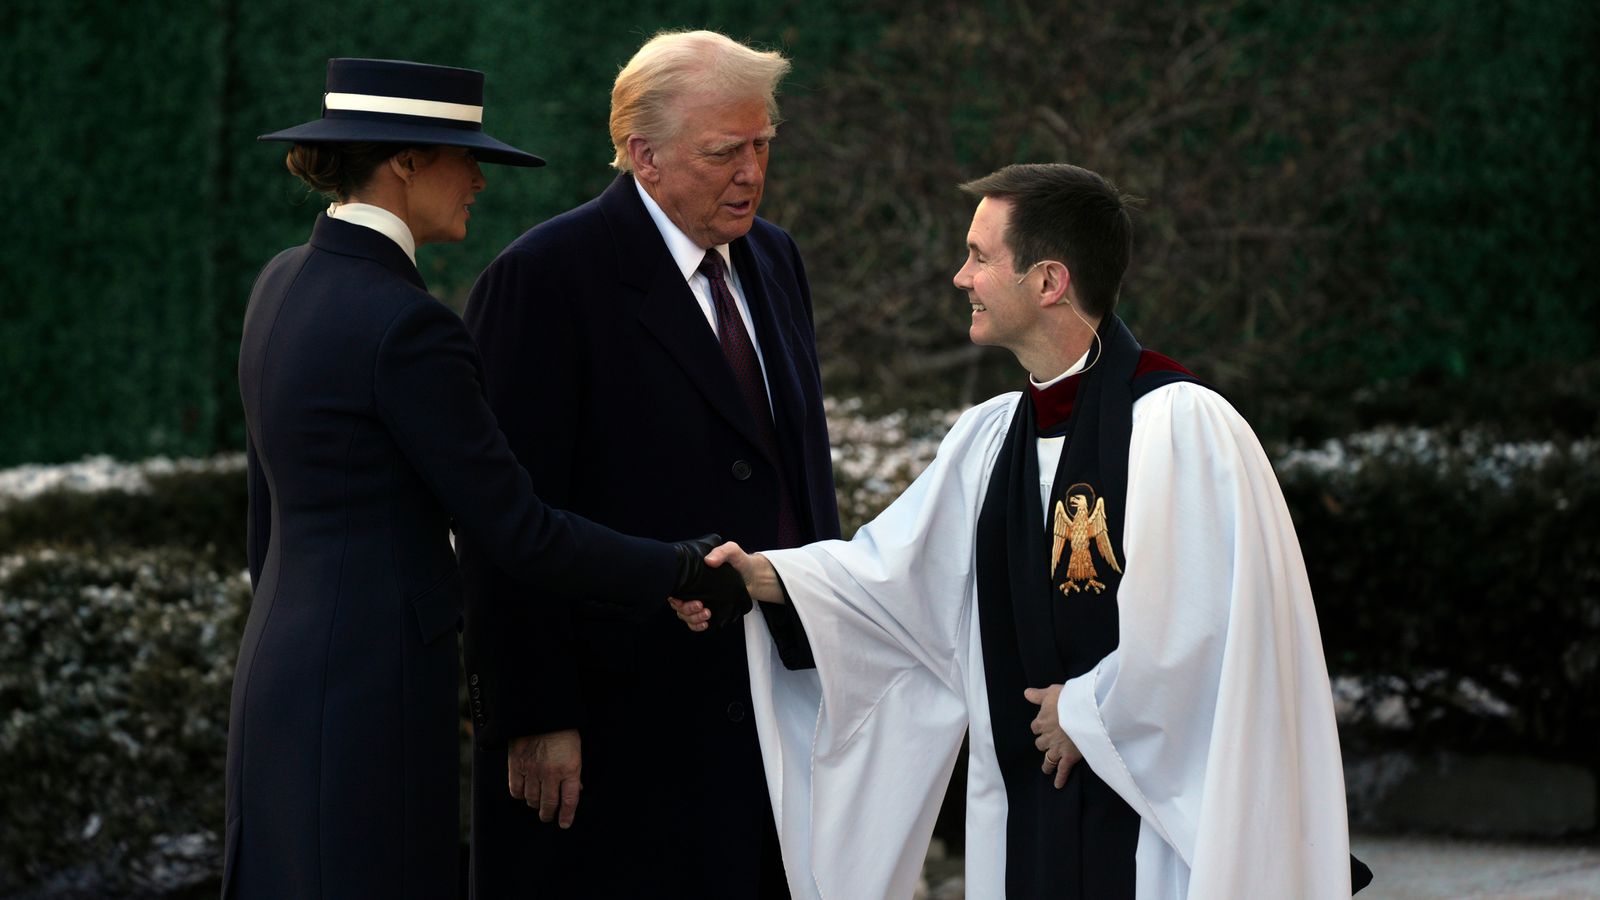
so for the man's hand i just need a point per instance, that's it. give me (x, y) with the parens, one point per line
(692, 613)
(718, 590)
(1060, 753)
(760, 582)
(542, 770)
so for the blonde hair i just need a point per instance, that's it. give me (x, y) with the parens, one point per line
(676, 64)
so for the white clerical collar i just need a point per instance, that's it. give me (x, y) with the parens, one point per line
(378, 219)
(685, 252)
(1073, 369)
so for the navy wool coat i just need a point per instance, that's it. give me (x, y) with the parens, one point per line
(614, 392)
(369, 438)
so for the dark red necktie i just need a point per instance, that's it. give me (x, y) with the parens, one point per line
(741, 356)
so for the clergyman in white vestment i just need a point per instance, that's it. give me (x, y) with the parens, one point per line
(1195, 700)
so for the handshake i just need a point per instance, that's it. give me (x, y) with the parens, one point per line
(717, 587)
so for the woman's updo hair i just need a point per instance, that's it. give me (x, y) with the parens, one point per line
(338, 170)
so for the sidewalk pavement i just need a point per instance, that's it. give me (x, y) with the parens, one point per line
(1433, 868)
(1418, 868)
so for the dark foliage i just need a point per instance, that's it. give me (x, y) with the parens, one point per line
(202, 512)
(1350, 209)
(1464, 578)
(114, 674)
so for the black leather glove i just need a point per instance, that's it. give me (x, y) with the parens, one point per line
(721, 589)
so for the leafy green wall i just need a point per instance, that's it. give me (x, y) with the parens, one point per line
(1493, 195)
(1353, 211)
(142, 206)
(108, 328)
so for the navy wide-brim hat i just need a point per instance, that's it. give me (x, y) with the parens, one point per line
(391, 101)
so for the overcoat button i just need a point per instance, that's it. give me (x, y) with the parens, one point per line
(735, 711)
(473, 679)
(741, 470)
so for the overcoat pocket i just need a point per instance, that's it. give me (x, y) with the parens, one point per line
(438, 608)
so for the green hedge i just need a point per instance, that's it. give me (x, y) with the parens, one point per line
(114, 673)
(108, 332)
(144, 205)
(1461, 576)
(1487, 231)
(202, 512)
(121, 612)
(1337, 195)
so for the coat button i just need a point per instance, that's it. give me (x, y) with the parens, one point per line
(735, 711)
(741, 470)
(473, 679)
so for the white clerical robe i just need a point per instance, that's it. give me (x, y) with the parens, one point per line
(1213, 718)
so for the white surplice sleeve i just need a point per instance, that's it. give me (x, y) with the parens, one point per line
(859, 751)
(1213, 717)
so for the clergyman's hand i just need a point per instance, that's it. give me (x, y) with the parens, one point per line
(760, 581)
(718, 589)
(542, 770)
(1060, 753)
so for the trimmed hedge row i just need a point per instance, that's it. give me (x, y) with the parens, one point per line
(1456, 577)
(1461, 577)
(122, 601)
(201, 512)
(115, 672)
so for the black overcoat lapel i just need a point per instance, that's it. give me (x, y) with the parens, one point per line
(669, 310)
(764, 293)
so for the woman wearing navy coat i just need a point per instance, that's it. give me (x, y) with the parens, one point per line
(369, 440)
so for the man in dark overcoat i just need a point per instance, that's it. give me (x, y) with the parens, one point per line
(651, 358)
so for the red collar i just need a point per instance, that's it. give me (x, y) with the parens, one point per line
(1052, 405)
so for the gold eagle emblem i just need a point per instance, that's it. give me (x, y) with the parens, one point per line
(1076, 531)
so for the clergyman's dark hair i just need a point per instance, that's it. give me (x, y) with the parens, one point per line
(338, 170)
(1066, 213)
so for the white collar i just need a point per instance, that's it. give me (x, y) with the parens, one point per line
(685, 252)
(1071, 370)
(378, 219)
